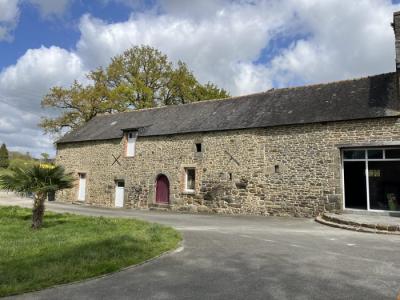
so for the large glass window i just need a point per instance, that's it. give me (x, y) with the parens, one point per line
(375, 154)
(372, 179)
(392, 153)
(384, 185)
(354, 154)
(356, 185)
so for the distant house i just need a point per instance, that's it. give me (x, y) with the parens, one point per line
(293, 151)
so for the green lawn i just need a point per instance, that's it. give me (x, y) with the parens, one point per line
(71, 247)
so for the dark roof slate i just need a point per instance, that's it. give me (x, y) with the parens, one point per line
(369, 97)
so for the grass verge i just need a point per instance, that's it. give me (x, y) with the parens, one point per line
(70, 248)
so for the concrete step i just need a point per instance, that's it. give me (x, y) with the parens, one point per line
(356, 223)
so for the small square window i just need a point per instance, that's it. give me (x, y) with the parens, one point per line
(120, 183)
(190, 180)
(199, 147)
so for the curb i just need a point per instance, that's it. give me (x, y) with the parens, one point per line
(352, 226)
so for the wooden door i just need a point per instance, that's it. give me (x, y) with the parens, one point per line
(162, 190)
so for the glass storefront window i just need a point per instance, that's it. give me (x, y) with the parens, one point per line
(384, 185)
(356, 185)
(392, 153)
(354, 154)
(375, 154)
(372, 181)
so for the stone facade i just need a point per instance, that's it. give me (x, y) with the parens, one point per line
(283, 170)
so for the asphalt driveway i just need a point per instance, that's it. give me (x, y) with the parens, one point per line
(247, 258)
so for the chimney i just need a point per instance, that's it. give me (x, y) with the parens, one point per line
(396, 28)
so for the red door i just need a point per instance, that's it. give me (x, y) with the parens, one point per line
(162, 189)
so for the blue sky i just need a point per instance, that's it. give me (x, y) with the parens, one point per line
(244, 46)
(34, 29)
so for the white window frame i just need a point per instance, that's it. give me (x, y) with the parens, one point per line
(366, 160)
(186, 181)
(131, 138)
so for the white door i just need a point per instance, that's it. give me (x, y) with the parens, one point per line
(119, 194)
(82, 187)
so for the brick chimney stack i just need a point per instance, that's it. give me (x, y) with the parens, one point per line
(396, 27)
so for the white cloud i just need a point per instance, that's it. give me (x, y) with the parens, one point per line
(214, 47)
(220, 39)
(9, 14)
(22, 87)
(245, 46)
(346, 39)
(49, 8)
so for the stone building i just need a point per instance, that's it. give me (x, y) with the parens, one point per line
(293, 151)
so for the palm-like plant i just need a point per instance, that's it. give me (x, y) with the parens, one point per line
(39, 179)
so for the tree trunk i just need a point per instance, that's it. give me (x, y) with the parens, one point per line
(38, 210)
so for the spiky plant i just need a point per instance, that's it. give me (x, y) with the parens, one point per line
(39, 179)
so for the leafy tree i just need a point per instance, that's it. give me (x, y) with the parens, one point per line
(141, 77)
(39, 179)
(45, 156)
(4, 160)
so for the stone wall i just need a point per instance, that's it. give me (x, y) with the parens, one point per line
(283, 170)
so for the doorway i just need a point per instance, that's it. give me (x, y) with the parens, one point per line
(119, 193)
(162, 189)
(82, 187)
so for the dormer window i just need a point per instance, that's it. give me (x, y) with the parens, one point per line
(130, 144)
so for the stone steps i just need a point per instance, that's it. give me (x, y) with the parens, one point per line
(336, 220)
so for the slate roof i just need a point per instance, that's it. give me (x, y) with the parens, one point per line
(369, 97)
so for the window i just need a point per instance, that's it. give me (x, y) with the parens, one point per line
(131, 142)
(375, 154)
(190, 180)
(371, 179)
(354, 154)
(199, 147)
(392, 153)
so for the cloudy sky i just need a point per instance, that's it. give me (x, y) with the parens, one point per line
(244, 46)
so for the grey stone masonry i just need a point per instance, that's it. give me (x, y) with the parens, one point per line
(396, 28)
(283, 170)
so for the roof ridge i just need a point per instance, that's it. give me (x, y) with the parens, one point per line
(330, 82)
(190, 103)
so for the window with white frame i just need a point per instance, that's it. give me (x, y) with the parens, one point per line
(371, 178)
(131, 144)
(190, 180)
